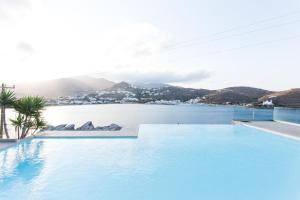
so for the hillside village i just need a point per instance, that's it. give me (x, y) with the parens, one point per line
(122, 93)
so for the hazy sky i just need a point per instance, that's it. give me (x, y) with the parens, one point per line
(204, 44)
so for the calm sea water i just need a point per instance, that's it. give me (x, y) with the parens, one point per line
(135, 114)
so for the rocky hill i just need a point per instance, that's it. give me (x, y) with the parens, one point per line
(160, 93)
(289, 98)
(235, 95)
(179, 93)
(251, 92)
(120, 86)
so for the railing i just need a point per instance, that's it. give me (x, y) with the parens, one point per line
(252, 114)
(291, 115)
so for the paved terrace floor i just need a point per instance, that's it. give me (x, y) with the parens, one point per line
(279, 128)
(124, 132)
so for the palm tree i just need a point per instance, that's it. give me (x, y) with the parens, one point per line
(17, 123)
(7, 99)
(29, 118)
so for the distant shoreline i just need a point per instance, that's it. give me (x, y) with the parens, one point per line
(181, 104)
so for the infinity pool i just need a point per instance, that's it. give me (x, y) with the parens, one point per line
(166, 162)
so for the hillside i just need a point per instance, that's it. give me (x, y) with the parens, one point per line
(251, 92)
(289, 98)
(180, 93)
(63, 87)
(162, 93)
(235, 95)
(120, 86)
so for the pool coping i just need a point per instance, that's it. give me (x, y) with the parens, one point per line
(12, 142)
(85, 137)
(125, 132)
(289, 123)
(273, 131)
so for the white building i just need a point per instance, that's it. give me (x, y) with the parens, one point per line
(268, 103)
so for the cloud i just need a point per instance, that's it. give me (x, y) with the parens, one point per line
(14, 3)
(157, 76)
(143, 52)
(12, 8)
(25, 47)
(135, 40)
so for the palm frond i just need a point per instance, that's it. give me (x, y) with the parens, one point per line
(7, 98)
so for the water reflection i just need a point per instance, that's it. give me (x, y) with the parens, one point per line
(21, 164)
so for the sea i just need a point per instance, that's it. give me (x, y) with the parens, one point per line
(135, 114)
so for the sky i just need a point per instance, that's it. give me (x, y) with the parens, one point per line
(192, 43)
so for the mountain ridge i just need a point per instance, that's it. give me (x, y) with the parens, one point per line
(63, 86)
(231, 95)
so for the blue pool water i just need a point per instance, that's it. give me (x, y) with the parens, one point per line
(213, 162)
